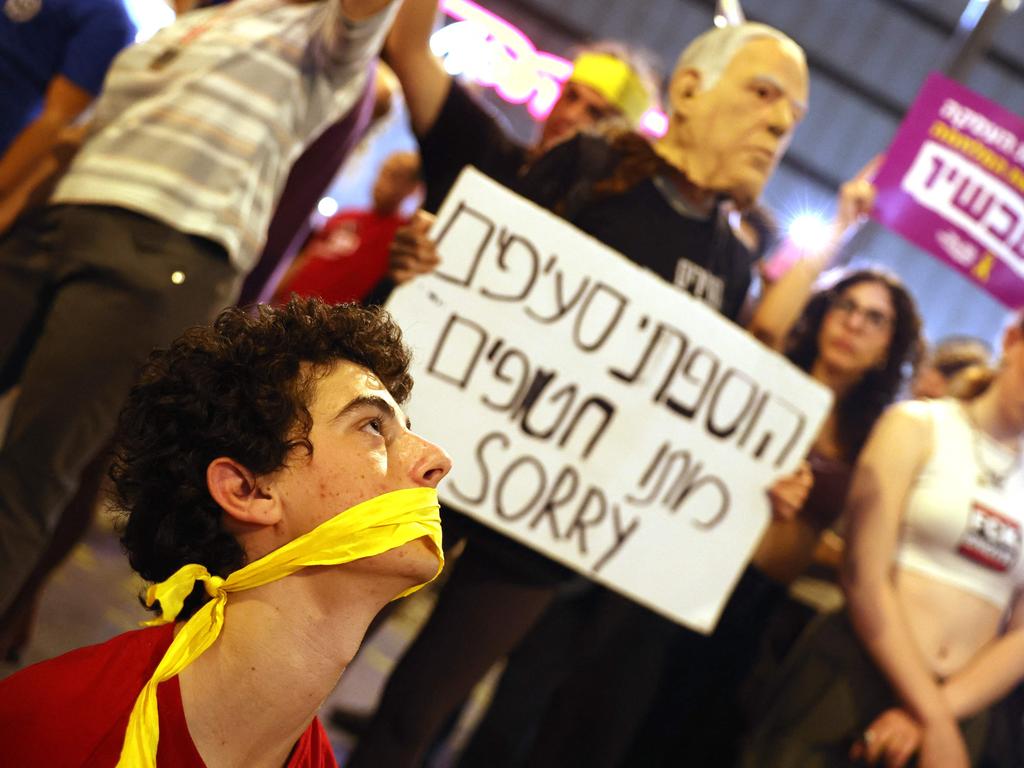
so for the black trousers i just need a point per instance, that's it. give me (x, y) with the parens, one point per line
(644, 688)
(85, 293)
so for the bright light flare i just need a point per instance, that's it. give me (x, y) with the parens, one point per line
(150, 16)
(327, 207)
(808, 230)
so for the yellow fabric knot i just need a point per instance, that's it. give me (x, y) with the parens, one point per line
(171, 594)
(367, 529)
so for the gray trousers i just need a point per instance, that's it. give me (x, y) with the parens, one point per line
(85, 293)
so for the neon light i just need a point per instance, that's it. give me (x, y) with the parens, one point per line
(488, 50)
(654, 122)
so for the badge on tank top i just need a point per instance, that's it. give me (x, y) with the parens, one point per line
(21, 10)
(991, 539)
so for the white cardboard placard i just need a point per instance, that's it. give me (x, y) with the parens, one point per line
(593, 411)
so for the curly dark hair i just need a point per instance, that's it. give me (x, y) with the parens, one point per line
(857, 412)
(240, 387)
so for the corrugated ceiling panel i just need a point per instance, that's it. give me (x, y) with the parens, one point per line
(1008, 37)
(1000, 86)
(840, 133)
(871, 44)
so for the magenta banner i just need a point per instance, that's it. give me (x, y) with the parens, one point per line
(953, 184)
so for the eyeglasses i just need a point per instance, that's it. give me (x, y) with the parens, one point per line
(875, 319)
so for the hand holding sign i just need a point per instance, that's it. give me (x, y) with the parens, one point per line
(412, 252)
(594, 412)
(788, 494)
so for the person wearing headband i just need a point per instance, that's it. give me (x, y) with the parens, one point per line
(454, 129)
(274, 494)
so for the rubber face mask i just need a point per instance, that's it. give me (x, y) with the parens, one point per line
(370, 528)
(730, 137)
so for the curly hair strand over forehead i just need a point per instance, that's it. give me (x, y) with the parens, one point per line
(241, 388)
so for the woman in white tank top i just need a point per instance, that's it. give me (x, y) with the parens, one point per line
(933, 568)
(933, 574)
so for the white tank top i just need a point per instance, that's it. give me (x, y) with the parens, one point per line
(958, 527)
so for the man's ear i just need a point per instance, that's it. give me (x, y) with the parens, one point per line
(686, 84)
(239, 493)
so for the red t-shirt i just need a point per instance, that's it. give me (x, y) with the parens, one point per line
(346, 258)
(73, 710)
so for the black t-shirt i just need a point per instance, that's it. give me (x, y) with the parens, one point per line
(700, 256)
(465, 133)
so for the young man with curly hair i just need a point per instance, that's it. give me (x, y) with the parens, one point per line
(253, 448)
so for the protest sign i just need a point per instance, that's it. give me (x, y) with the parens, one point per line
(594, 412)
(953, 183)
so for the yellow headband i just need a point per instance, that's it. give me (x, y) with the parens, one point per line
(367, 529)
(615, 80)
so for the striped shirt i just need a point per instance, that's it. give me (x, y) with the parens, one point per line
(204, 143)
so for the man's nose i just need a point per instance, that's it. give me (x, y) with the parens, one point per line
(432, 465)
(782, 119)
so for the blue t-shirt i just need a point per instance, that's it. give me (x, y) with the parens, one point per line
(40, 39)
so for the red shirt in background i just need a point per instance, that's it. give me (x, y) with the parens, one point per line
(73, 710)
(345, 259)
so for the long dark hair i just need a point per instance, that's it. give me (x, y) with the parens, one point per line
(637, 162)
(857, 412)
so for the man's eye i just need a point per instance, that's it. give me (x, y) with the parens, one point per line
(375, 425)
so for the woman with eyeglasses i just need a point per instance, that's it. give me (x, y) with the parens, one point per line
(934, 628)
(861, 339)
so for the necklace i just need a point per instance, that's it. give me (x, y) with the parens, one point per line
(988, 476)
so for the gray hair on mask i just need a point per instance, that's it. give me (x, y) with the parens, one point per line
(711, 52)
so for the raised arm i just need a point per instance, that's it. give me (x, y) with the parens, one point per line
(784, 300)
(407, 50)
(889, 463)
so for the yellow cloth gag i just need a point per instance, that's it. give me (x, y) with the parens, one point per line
(615, 80)
(367, 529)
